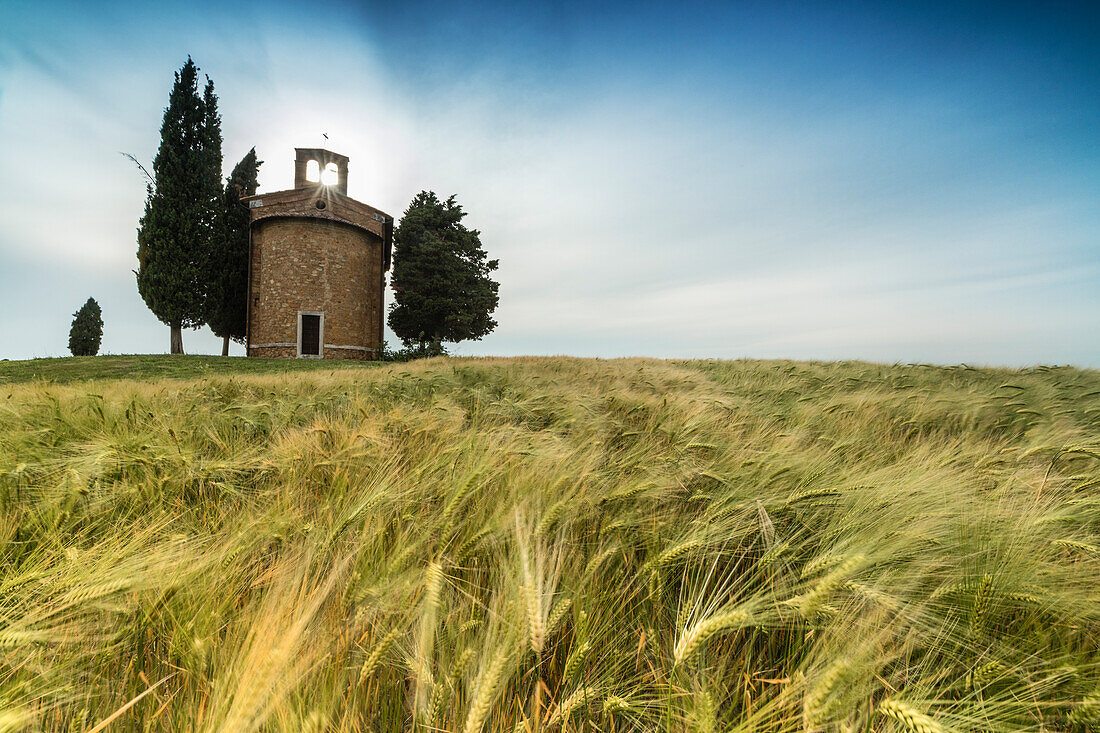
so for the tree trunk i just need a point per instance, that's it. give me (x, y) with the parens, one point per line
(225, 346)
(177, 339)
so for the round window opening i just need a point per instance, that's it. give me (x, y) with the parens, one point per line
(320, 204)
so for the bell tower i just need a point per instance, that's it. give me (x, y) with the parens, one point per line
(315, 167)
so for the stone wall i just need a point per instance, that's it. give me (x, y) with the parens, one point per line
(314, 264)
(317, 202)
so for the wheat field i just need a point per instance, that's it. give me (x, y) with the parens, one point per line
(553, 544)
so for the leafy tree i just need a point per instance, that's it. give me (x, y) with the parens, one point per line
(181, 207)
(441, 283)
(227, 265)
(86, 333)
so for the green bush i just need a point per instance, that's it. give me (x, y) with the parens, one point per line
(424, 350)
(86, 333)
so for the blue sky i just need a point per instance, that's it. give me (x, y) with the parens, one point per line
(885, 181)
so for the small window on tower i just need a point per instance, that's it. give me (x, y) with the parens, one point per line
(330, 176)
(313, 171)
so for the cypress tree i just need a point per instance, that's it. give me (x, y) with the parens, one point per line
(86, 331)
(441, 283)
(181, 207)
(211, 173)
(226, 300)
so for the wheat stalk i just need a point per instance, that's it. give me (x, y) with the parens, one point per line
(576, 659)
(911, 718)
(980, 676)
(1088, 711)
(426, 642)
(816, 705)
(13, 720)
(674, 553)
(533, 602)
(546, 525)
(440, 694)
(10, 638)
(811, 602)
(981, 602)
(469, 544)
(487, 684)
(375, 657)
(570, 704)
(557, 614)
(694, 637)
(462, 662)
(460, 495)
(704, 712)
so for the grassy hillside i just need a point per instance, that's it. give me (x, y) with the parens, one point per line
(146, 366)
(552, 545)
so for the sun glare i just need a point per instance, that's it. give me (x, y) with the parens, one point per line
(330, 176)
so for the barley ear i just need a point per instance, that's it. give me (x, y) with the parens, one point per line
(695, 636)
(487, 684)
(910, 718)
